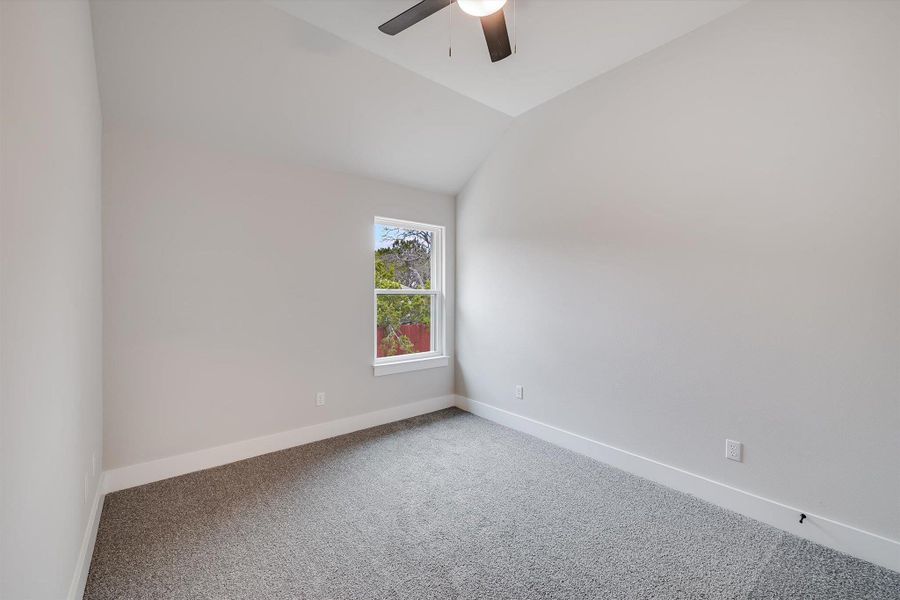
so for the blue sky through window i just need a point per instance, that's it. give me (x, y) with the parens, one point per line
(379, 235)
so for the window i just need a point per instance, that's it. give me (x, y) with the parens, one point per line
(409, 296)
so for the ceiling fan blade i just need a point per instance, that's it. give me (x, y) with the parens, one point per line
(496, 35)
(413, 15)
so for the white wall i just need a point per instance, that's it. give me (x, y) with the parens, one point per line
(236, 288)
(704, 244)
(50, 293)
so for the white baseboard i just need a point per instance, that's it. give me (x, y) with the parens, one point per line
(83, 564)
(156, 470)
(822, 530)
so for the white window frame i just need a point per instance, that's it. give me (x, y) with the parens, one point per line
(422, 360)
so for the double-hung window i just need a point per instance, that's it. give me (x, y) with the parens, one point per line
(409, 296)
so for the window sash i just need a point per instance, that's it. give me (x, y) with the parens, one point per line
(436, 293)
(434, 330)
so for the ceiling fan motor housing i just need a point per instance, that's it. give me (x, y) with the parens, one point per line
(480, 8)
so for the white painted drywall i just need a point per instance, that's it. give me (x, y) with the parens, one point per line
(705, 244)
(236, 288)
(50, 293)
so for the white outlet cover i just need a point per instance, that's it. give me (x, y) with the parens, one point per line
(320, 399)
(734, 450)
(520, 392)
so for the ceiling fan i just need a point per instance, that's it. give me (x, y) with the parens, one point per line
(493, 21)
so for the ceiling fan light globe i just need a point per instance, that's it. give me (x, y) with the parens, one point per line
(480, 8)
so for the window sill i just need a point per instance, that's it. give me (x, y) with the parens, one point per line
(416, 364)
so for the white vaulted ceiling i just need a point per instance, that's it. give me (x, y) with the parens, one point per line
(315, 81)
(561, 43)
(248, 76)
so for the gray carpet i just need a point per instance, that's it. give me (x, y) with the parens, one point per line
(447, 506)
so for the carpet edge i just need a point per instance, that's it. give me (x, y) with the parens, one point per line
(172, 466)
(828, 532)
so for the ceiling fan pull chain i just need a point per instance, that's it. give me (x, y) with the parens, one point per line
(450, 32)
(515, 26)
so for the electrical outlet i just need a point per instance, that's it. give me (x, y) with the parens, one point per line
(520, 392)
(320, 399)
(734, 450)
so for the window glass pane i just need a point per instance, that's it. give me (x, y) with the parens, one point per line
(404, 324)
(402, 258)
